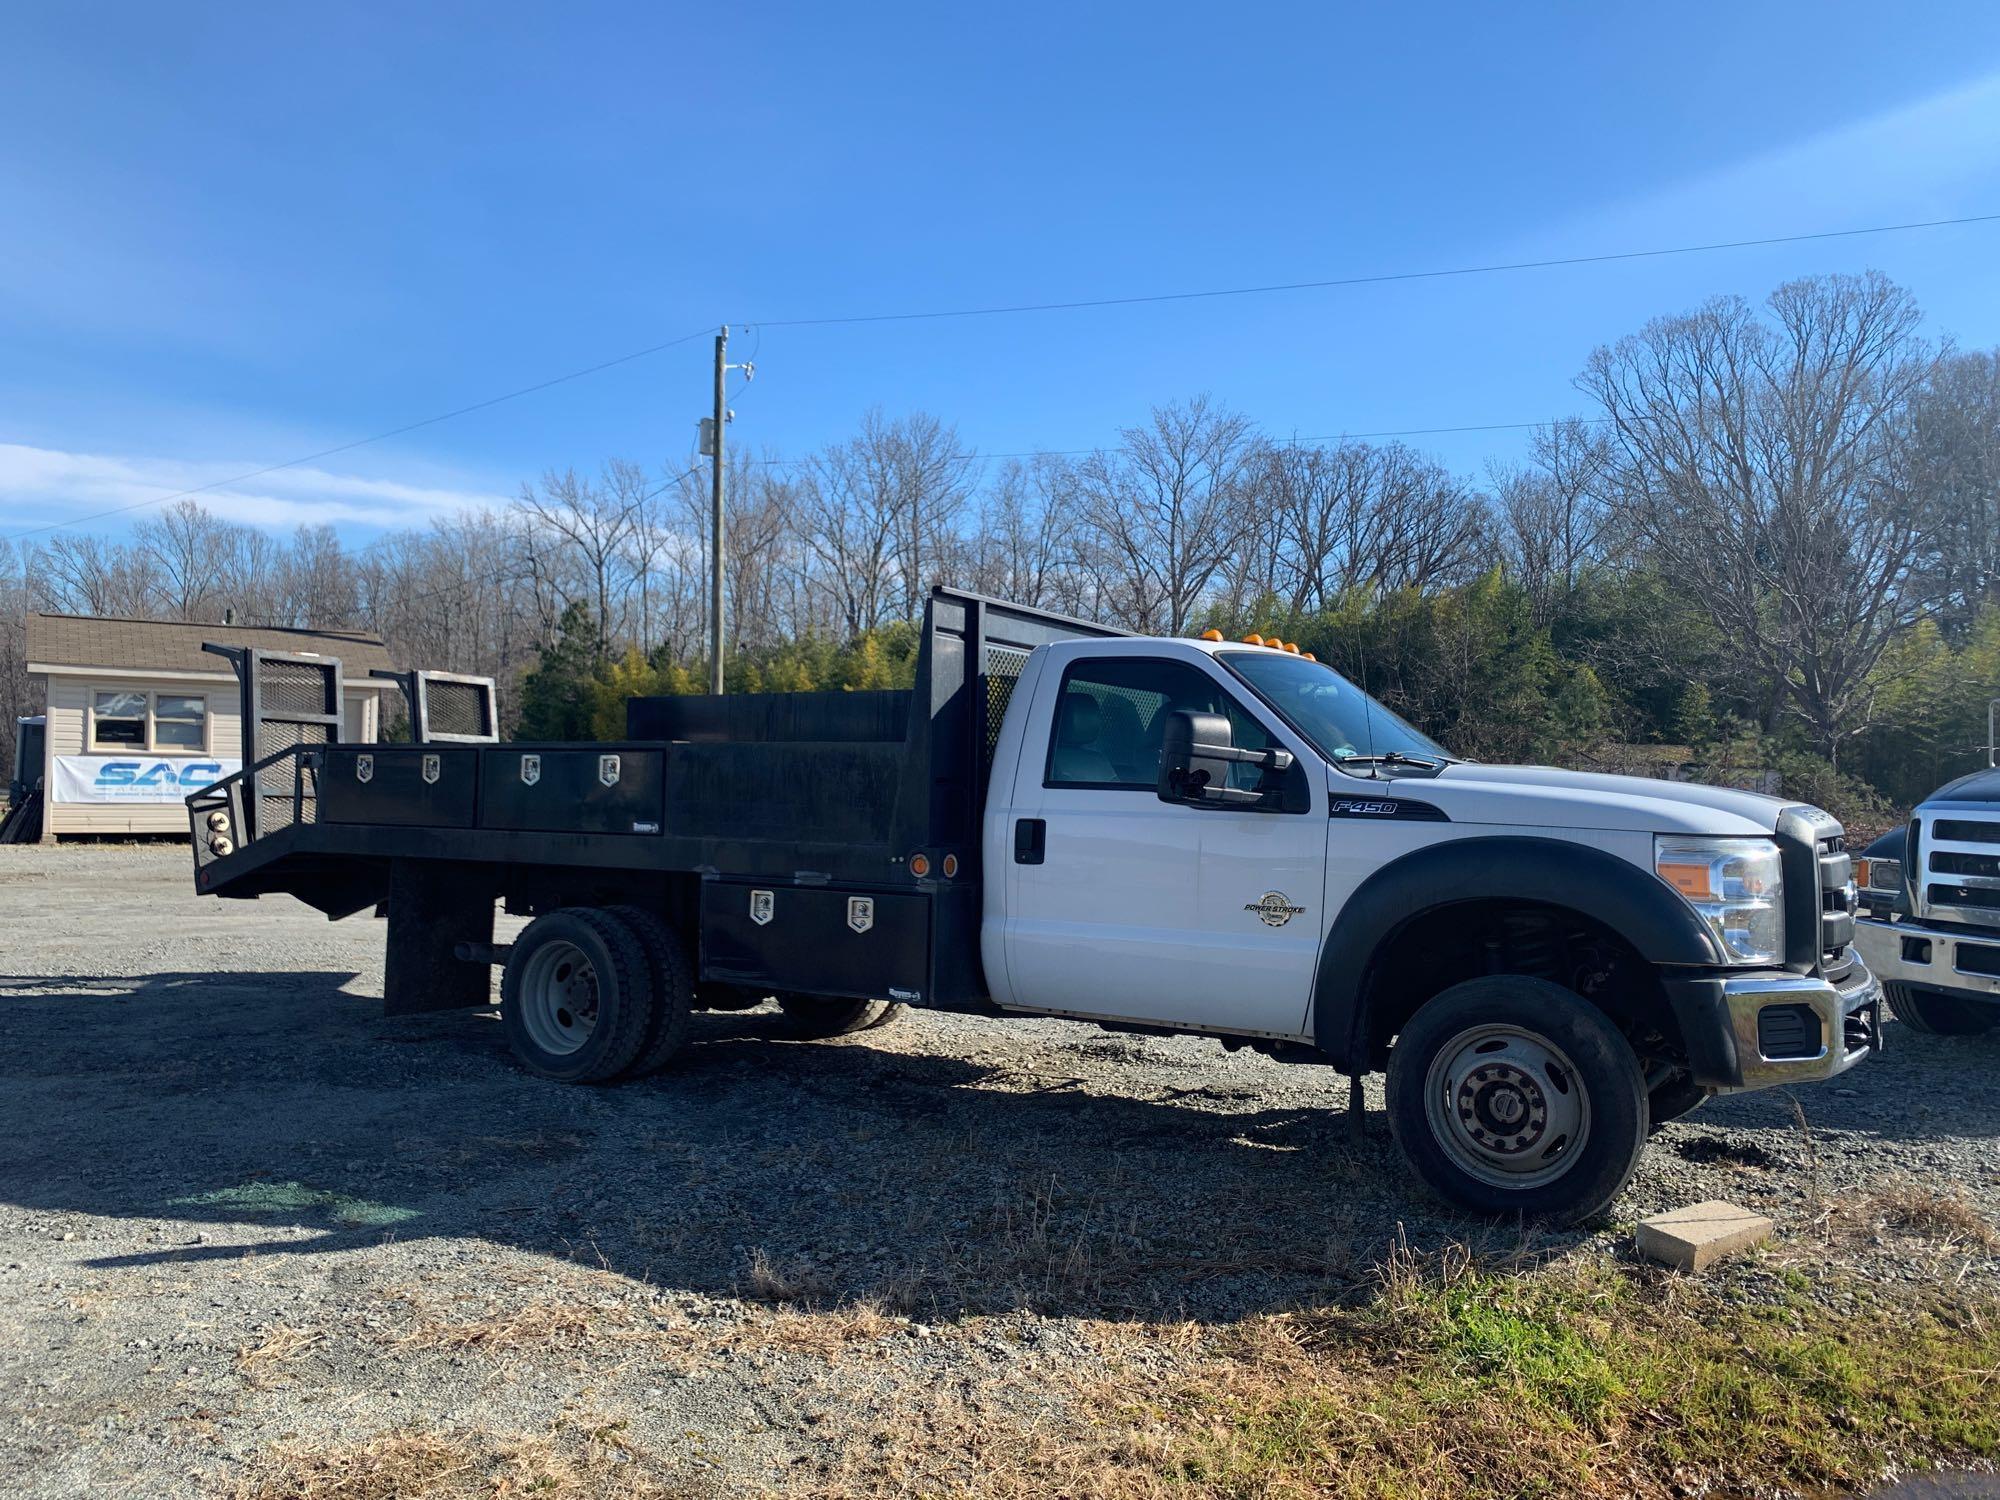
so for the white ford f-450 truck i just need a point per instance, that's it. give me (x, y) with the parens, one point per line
(1058, 819)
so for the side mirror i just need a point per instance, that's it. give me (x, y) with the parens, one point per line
(1196, 753)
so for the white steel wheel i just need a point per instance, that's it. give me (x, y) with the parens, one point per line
(559, 998)
(1512, 1095)
(576, 997)
(1507, 1106)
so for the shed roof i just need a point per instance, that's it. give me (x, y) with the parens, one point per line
(171, 646)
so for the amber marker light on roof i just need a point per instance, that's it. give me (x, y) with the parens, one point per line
(1253, 640)
(1308, 656)
(1293, 647)
(1211, 635)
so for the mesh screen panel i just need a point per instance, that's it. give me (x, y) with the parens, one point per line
(456, 708)
(292, 687)
(1003, 670)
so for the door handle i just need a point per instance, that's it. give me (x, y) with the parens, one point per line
(1031, 837)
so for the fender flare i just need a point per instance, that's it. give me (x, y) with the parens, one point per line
(1632, 902)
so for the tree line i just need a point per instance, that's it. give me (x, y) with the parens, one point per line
(1770, 534)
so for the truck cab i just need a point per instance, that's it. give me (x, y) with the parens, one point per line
(1202, 835)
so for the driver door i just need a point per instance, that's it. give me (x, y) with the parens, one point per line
(1130, 908)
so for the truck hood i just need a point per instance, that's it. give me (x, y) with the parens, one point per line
(1979, 786)
(1546, 796)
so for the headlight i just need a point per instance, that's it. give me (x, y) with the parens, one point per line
(1885, 875)
(1736, 885)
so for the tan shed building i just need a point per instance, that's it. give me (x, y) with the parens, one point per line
(139, 715)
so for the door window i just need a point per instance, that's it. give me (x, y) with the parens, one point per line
(1112, 715)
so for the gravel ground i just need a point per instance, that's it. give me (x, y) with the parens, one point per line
(240, 1209)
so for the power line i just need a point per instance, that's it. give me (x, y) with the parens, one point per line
(1375, 279)
(1328, 437)
(1382, 277)
(306, 458)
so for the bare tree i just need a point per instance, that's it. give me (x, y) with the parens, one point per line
(1167, 510)
(1553, 512)
(1765, 465)
(596, 527)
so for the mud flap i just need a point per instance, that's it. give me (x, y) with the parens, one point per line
(435, 905)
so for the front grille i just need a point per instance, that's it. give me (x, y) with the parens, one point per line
(1948, 862)
(1966, 831)
(1966, 897)
(1963, 850)
(1836, 898)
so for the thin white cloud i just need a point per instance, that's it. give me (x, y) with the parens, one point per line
(47, 486)
(1934, 158)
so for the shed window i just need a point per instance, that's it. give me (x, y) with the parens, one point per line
(118, 720)
(127, 719)
(180, 722)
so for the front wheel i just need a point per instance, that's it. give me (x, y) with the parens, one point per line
(1513, 1095)
(1939, 1015)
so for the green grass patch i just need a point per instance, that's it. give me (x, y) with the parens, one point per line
(1574, 1380)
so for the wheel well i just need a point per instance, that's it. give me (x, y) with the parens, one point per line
(673, 896)
(1467, 940)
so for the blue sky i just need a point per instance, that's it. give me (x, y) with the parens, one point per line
(230, 235)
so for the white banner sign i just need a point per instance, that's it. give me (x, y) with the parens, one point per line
(135, 778)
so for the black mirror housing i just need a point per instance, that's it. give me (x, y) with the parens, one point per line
(1195, 754)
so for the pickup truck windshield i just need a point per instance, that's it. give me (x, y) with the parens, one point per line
(1341, 721)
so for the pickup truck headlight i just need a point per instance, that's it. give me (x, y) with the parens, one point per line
(1737, 885)
(1884, 875)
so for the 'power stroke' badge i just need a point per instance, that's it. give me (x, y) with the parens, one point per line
(1274, 908)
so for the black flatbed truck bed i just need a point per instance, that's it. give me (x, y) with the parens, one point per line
(776, 833)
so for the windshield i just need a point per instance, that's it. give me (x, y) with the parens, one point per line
(1341, 721)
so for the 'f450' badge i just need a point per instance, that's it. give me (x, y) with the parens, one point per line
(1274, 908)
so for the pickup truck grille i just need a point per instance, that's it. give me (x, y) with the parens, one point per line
(1836, 899)
(1954, 868)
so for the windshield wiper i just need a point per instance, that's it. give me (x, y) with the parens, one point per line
(1389, 758)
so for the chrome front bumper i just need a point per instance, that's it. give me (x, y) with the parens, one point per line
(1790, 1028)
(1912, 953)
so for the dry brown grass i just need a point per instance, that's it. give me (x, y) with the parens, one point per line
(569, 1463)
(1931, 1214)
(261, 1363)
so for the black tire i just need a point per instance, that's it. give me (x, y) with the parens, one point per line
(673, 989)
(1678, 1096)
(1572, 1184)
(816, 1017)
(618, 989)
(1936, 1014)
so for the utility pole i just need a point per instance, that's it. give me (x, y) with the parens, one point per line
(711, 444)
(715, 515)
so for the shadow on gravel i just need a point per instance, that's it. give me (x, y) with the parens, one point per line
(826, 1173)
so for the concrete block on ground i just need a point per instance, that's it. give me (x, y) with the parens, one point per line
(1696, 1237)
